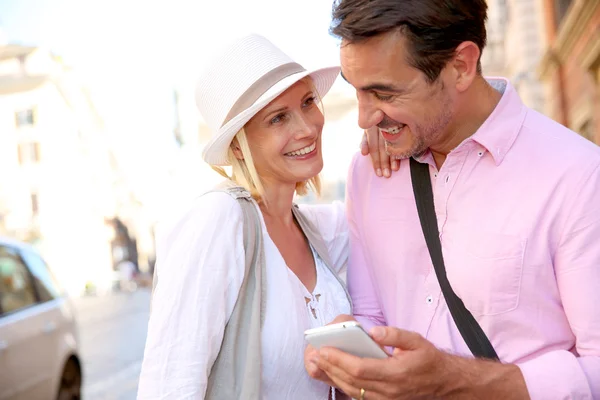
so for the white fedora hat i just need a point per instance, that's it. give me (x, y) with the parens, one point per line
(248, 76)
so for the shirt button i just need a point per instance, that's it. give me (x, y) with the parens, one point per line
(480, 154)
(429, 300)
(435, 175)
(447, 178)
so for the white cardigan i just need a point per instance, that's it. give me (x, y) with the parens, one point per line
(200, 266)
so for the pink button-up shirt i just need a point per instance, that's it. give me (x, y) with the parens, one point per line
(518, 209)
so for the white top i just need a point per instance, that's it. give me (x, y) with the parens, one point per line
(200, 267)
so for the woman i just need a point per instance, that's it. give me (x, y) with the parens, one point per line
(263, 110)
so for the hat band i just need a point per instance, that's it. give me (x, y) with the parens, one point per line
(258, 88)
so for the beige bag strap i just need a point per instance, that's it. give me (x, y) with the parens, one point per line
(236, 373)
(316, 240)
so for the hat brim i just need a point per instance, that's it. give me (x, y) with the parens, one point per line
(215, 152)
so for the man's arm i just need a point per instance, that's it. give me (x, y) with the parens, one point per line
(366, 307)
(565, 374)
(417, 369)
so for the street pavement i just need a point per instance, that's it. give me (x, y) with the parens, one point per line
(112, 334)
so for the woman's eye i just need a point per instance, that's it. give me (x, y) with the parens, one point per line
(278, 118)
(309, 102)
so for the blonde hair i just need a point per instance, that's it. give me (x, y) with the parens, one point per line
(243, 172)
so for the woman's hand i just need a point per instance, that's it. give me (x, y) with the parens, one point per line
(373, 144)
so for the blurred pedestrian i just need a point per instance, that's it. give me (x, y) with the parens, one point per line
(127, 271)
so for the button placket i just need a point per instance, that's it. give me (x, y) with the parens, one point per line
(431, 292)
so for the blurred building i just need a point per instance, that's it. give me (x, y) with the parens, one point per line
(59, 182)
(493, 59)
(515, 47)
(570, 66)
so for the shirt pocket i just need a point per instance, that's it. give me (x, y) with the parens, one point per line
(485, 271)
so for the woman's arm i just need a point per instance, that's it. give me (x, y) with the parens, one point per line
(200, 268)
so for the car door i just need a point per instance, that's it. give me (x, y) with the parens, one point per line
(24, 359)
(53, 316)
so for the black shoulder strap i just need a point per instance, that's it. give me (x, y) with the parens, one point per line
(468, 327)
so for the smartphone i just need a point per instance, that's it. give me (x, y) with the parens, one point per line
(349, 337)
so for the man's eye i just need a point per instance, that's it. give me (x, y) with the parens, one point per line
(383, 97)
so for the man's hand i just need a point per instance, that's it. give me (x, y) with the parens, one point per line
(373, 144)
(417, 369)
(311, 354)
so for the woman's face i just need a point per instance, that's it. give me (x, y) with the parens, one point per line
(285, 136)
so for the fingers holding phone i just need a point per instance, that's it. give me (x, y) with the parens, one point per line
(311, 353)
(313, 370)
(348, 337)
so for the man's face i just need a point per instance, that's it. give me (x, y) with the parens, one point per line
(411, 113)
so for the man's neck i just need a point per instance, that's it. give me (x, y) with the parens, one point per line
(476, 106)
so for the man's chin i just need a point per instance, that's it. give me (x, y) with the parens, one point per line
(399, 153)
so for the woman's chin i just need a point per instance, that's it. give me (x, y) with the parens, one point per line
(304, 177)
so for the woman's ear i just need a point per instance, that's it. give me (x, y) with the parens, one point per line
(237, 152)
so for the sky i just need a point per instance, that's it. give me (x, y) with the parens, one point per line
(168, 41)
(132, 54)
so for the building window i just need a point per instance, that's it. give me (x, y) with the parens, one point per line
(34, 204)
(560, 10)
(29, 153)
(25, 118)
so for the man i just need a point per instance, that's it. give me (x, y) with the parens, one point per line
(517, 200)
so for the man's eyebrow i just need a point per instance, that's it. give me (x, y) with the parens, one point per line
(381, 87)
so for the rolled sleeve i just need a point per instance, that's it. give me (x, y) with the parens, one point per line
(556, 375)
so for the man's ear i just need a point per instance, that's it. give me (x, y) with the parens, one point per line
(465, 64)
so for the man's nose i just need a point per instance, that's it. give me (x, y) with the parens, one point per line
(368, 114)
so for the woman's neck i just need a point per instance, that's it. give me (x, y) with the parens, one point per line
(277, 204)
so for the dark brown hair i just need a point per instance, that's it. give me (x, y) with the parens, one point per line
(433, 28)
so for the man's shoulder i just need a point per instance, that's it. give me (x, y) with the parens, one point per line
(361, 172)
(557, 142)
(363, 183)
(361, 165)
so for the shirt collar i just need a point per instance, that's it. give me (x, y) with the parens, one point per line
(501, 128)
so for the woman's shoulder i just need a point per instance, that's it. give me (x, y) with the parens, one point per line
(214, 205)
(209, 212)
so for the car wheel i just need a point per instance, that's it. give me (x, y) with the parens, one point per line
(70, 382)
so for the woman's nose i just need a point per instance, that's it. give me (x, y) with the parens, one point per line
(306, 127)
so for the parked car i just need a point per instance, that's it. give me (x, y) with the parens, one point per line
(38, 333)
